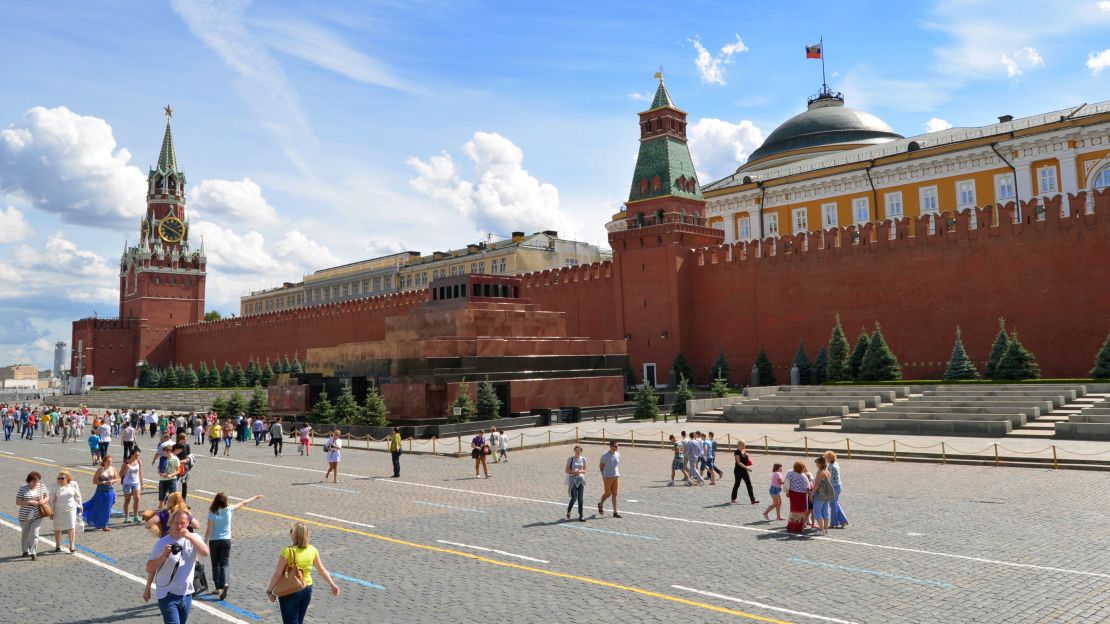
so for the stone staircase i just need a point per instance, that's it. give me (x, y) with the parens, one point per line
(806, 406)
(1090, 422)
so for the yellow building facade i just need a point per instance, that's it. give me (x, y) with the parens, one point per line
(849, 169)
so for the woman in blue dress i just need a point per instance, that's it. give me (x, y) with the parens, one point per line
(98, 509)
(838, 519)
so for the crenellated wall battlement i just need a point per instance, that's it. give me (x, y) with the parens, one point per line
(105, 324)
(947, 228)
(568, 275)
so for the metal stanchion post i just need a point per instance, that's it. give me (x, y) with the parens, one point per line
(433, 445)
(894, 448)
(943, 455)
(603, 434)
(632, 434)
(766, 449)
(1055, 465)
(995, 453)
(549, 437)
(460, 444)
(806, 451)
(410, 444)
(576, 434)
(849, 441)
(522, 441)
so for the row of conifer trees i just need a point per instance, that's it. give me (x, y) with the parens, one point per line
(872, 359)
(255, 374)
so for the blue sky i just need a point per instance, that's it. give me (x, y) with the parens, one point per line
(315, 135)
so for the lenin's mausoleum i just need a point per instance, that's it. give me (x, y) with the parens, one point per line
(836, 214)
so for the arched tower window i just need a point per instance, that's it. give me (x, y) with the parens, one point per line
(680, 183)
(1101, 179)
(639, 219)
(659, 216)
(656, 184)
(692, 185)
(644, 185)
(171, 183)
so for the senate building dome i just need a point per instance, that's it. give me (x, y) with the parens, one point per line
(826, 126)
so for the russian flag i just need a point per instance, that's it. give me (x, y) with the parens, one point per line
(813, 51)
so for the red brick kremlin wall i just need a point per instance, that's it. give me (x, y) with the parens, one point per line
(1050, 279)
(1047, 278)
(290, 332)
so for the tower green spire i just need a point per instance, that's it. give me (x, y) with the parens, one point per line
(663, 166)
(167, 158)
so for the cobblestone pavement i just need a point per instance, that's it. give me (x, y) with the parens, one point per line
(927, 543)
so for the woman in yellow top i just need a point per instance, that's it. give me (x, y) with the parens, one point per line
(304, 556)
(215, 431)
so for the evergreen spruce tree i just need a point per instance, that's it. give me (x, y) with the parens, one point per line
(801, 360)
(180, 370)
(462, 401)
(839, 368)
(266, 375)
(720, 367)
(347, 409)
(146, 376)
(202, 375)
(220, 406)
(879, 363)
(489, 406)
(239, 378)
(170, 380)
(253, 373)
(285, 365)
(765, 368)
(681, 367)
(959, 365)
(856, 360)
(190, 379)
(236, 405)
(322, 410)
(1017, 363)
(681, 396)
(215, 380)
(1102, 361)
(719, 387)
(227, 376)
(259, 405)
(296, 368)
(998, 349)
(647, 403)
(375, 411)
(821, 367)
(155, 378)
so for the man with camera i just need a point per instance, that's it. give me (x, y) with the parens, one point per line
(171, 566)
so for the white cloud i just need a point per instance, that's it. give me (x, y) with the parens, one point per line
(1104, 5)
(262, 80)
(636, 95)
(240, 200)
(304, 254)
(1021, 59)
(503, 195)
(57, 269)
(377, 247)
(711, 68)
(936, 124)
(718, 147)
(13, 227)
(1098, 62)
(321, 47)
(70, 165)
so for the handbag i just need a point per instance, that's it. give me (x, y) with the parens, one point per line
(291, 580)
(825, 490)
(46, 511)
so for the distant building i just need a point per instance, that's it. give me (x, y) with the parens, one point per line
(19, 372)
(60, 357)
(409, 270)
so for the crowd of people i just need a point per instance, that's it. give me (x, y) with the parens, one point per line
(174, 567)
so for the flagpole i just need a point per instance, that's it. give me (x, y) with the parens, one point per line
(824, 83)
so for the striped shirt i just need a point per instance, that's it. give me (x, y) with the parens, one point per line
(26, 493)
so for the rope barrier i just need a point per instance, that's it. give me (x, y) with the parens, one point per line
(1009, 450)
(1083, 454)
(984, 449)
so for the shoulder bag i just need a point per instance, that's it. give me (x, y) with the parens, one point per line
(825, 489)
(291, 580)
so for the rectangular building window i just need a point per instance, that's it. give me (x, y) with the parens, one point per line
(965, 194)
(572, 262)
(1004, 187)
(744, 228)
(893, 205)
(861, 210)
(929, 202)
(502, 269)
(801, 220)
(1046, 179)
(771, 224)
(828, 216)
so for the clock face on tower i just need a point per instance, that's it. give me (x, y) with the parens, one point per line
(171, 229)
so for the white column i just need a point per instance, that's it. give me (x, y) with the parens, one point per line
(1069, 180)
(1024, 181)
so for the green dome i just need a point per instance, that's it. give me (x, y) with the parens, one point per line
(827, 122)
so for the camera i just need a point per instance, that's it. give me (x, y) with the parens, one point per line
(175, 549)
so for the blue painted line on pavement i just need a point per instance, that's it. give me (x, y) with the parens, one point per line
(900, 577)
(583, 528)
(335, 489)
(95, 554)
(358, 581)
(449, 507)
(230, 607)
(11, 518)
